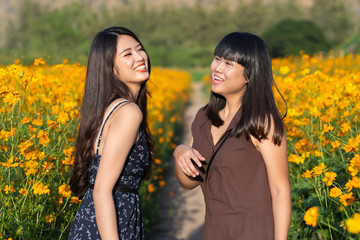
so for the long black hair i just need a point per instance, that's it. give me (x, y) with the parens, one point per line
(258, 109)
(101, 88)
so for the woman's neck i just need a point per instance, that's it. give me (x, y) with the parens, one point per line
(231, 107)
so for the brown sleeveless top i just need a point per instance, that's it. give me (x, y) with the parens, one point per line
(236, 191)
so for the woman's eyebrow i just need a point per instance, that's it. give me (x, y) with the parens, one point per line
(127, 49)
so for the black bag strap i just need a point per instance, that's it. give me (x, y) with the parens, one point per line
(212, 157)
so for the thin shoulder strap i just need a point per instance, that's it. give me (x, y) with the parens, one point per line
(103, 124)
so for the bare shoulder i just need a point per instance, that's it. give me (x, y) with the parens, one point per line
(270, 127)
(128, 113)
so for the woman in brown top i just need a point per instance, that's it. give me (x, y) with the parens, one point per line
(246, 183)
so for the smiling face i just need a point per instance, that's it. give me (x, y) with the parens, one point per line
(227, 77)
(131, 62)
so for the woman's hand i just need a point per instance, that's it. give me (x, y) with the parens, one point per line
(185, 158)
(183, 155)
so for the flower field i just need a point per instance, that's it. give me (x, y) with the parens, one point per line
(323, 97)
(39, 107)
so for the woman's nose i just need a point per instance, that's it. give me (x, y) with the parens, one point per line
(218, 66)
(138, 56)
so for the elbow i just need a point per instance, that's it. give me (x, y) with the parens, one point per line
(186, 187)
(188, 184)
(281, 195)
(99, 194)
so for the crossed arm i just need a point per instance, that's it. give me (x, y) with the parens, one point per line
(275, 158)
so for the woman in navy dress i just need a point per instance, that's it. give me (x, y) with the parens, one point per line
(113, 151)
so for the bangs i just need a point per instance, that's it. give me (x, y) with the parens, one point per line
(227, 51)
(235, 47)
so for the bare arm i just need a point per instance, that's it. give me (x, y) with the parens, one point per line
(184, 168)
(276, 162)
(122, 134)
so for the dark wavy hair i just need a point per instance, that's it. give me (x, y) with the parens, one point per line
(101, 88)
(258, 103)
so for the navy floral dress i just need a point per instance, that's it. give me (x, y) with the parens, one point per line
(127, 204)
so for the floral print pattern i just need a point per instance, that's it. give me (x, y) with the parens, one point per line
(128, 211)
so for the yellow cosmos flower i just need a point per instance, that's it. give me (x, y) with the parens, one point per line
(355, 161)
(345, 127)
(68, 161)
(284, 70)
(25, 120)
(335, 192)
(51, 124)
(5, 135)
(335, 144)
(38, 122)
(353, 170)
(68, 151)
(10, 163)
(307, 174)
(329, 178)
(352, 145)
(353, 224)
(49, 218)
(43, 138)
(347, 199)
(353, 183)
(157, 161)
(161, 140)
(63, 117)
(64, 190)
(75, 200)
(327, 128)
(11, 98)
(60, 201)
(151, 188)
(23, 191)
(320, 169)
(47, 167)
(39, 61)
(311, 216)
(160, 131)
(9, 189)
(55, 109)
(161, 183)
(40, 189)
(296, 159)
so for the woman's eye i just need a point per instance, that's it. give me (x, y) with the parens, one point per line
(127, 54)
(217, 58)
(228, 63)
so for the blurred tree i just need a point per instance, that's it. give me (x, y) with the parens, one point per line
(334, 18)
(182, 36)
(280, 10)
(52, 34)
(289, 37)
(252, 16)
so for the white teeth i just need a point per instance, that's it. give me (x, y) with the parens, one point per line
(217, 78)
(141, 67)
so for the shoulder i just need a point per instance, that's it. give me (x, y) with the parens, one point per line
(200, 115)
(127, 112)
(273, 132)
(199, 120)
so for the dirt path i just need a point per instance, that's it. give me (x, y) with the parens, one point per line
(182, 212)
